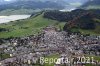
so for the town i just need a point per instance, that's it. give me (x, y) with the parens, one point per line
(27, 51)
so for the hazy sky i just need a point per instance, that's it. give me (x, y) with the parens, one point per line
(69, 1)
(45, 0)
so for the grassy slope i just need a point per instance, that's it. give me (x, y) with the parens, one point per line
(33, 25)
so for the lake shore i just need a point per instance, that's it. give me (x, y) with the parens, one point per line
(6, 19)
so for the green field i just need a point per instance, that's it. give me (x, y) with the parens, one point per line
(26, 27)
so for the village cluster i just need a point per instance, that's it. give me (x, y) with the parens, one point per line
(26, 51)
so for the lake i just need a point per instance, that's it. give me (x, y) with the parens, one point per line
(6, 19)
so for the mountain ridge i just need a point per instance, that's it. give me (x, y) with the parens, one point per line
(15, 7)
(93, 4)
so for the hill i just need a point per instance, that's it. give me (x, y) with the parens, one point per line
(91, 4)
(88, 23)
(26, 27)
(63, 16)
(90, 20)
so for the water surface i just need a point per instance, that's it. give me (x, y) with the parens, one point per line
(6, 19)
